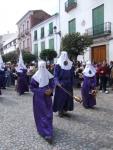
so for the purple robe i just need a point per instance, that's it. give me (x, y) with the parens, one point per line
(1, 79)
(22, 85)
(62, 101)
(88, 84)
(42, 108)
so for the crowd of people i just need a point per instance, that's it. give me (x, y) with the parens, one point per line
(104, 75)
(56, 82)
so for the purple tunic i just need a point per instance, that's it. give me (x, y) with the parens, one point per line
(88, 85)
(42, 108)
(22, 85)
(62, 101)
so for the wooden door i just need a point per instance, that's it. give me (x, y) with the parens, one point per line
(98, 54)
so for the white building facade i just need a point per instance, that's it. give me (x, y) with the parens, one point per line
(10, 44)
(91, 17)
(46, 35)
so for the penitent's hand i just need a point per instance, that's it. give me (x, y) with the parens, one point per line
(48, 92)
(59, 84)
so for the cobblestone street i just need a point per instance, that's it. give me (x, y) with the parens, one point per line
(86, 129)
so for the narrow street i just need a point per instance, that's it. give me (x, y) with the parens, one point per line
(86, 129)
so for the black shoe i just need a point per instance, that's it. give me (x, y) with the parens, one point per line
(49, 140)
(60, 114)
(86, 107)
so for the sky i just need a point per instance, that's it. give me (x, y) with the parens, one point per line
(12, 10)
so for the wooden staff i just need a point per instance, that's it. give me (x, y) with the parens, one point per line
(76, 98)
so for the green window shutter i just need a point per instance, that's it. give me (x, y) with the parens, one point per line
(42, 32)
(98, 20)
(42, 45)
(72, 26)
(36, 50)
(71, 1)
(51, 44)
(35, 35)
(51, 28)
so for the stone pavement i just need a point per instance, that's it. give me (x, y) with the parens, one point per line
(86, 129)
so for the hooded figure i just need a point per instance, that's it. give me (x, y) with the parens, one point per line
(64, 75)
(41, 85)
(22, 85)
(2, 74)
(88, 90)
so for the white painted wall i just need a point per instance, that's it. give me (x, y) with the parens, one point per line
(111, 50)
(45, 24)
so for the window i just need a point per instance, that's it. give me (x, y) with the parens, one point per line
(35, 35)
(51, 28)
(27, 42)
(42, 32)
(27, 25)
(51, 44)
(98, 20)
(43, 45)
(36, 50)
(23, 45)
(23, 27)
(72, 26)
(71, 1)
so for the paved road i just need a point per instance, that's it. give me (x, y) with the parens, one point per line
(86, 129)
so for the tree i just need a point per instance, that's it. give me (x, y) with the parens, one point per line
(13, 57)
(48, 54)
(28, 57)
(75, 44)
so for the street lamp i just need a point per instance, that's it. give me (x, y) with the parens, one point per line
(55, 31)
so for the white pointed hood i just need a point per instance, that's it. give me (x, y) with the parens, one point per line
(89, 70)
(21, 64)
(1, 63)
(64, 57)
(42, 76)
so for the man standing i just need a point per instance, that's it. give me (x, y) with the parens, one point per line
(63, 76)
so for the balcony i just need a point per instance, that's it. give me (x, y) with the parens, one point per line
(23, 35)
(19, 36)
(70, 4)
(27, 31)
(99, 30)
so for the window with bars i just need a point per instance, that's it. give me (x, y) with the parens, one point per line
(42, 32)
(36, 50)
(51, 28)
(35, 35)
(51, 44)
(72, 26)
(42, 45)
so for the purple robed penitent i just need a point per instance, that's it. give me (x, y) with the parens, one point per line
(42, 108)
(22, 85)
(89, 84)
(62, 101)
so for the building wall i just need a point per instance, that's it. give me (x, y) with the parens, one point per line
(28, 21)
(10, 46)
(111, 50)
(83, 15)
(56, 37)
(24, 26)
(10, 42)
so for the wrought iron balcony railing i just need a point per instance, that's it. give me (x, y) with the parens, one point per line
(27, 31)
(99, 30)
(70, 4)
